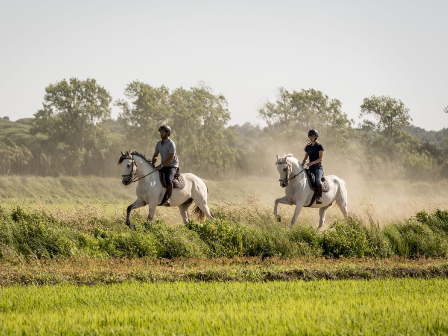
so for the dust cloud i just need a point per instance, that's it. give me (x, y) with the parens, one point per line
(372, 197)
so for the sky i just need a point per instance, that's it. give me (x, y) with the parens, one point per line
(245, 50)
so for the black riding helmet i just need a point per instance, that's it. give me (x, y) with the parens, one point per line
(313, 132)
(165, 128)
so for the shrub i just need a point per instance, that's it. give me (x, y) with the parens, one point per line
(175, 242)
(345, 238)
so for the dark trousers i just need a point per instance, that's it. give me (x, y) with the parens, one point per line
(168, 174)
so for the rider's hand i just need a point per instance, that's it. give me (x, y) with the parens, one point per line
(159, 167)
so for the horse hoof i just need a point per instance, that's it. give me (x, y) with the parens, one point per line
(279, 218)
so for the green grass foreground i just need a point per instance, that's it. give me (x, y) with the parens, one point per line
(377, 307)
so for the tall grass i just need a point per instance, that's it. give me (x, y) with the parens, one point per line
(37, 234)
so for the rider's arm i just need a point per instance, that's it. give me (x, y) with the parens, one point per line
(321, 156)
(305, 158)
(156, 154)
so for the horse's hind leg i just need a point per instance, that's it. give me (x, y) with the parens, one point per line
(322, 212)
(344, 209)
(137, 204)
(183, 209)
(342, 204)
(341, 199)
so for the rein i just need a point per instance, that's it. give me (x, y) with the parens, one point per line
(290, 178)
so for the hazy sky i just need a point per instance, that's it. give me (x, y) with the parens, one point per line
(245, 50)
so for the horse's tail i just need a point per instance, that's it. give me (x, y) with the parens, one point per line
(197, 210)
(199, 213)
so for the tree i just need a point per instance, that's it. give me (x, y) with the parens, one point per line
(198, 121)
(390, 115)
(149, 108)
(73, 119)
(294, 113)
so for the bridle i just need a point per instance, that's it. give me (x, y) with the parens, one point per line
(132, 174)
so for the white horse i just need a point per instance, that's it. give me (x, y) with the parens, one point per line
(135, 167)
(298, 190)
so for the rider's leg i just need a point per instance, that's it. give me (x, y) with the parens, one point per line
(169, 176)
(318, 174)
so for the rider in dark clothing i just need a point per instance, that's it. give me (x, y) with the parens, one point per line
(169, 161)
(315, 152)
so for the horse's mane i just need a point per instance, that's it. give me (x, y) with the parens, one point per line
(131, 152)
(140, 155)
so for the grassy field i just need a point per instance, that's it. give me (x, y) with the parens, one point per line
(69, 265)
(377, 307)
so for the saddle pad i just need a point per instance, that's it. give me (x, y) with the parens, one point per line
(178, 182)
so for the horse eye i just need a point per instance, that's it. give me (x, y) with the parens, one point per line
(129, 165)
(285, 169)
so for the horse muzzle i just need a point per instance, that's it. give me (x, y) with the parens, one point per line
(283, 184)
(126, 180)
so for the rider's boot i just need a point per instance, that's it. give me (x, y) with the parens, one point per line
(319, 194)
(169, 191)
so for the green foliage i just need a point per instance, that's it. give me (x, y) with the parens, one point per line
(294, 113)
(25, 234)
(73, 119)
(347, 238)
(197, 117)
(147, 110)
(390, 115)
(175, 242)
(73, 133)
(131, 245)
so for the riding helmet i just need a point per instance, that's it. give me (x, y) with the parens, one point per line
(313, 132)
(165, 128)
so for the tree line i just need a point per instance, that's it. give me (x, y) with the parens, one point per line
(74, 134)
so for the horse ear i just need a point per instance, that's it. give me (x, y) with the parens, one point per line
(122, 153)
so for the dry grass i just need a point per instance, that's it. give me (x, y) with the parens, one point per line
(250, 200)
(95, 271)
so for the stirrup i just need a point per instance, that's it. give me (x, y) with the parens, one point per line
(319, 200)
(167, 202)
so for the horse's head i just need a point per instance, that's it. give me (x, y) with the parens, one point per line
(128, 167)
(284, 168)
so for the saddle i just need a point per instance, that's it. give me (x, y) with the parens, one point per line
(312, 180)
(178, 181)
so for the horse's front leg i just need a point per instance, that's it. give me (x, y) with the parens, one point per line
(137, 204)
(152, 208)
(299, 207)
(283, 200)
